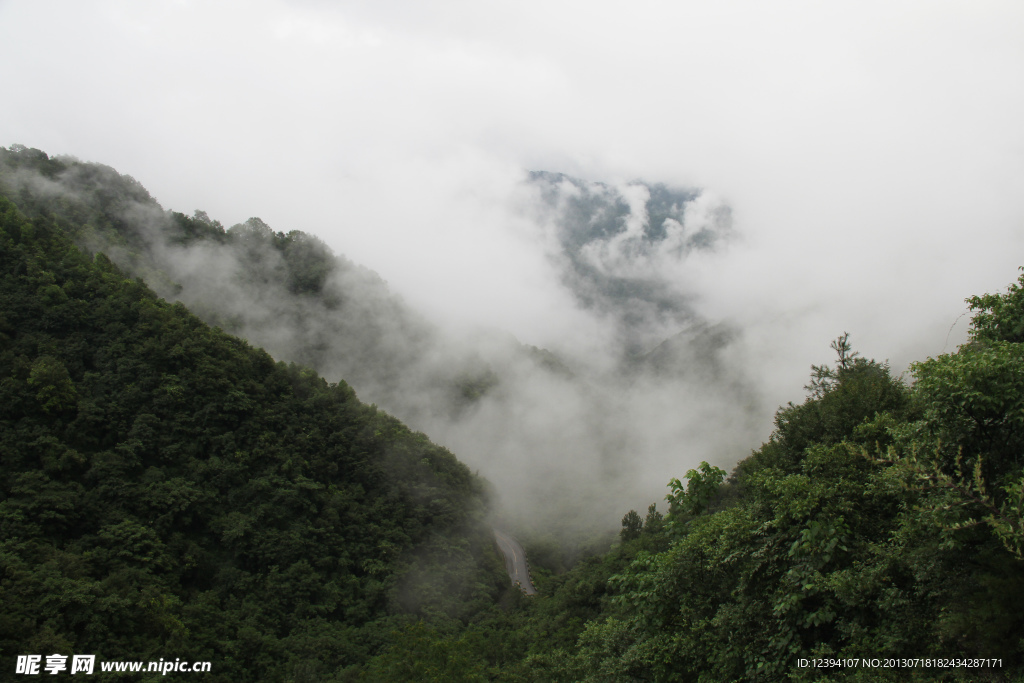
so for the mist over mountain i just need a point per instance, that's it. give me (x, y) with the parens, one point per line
(569, 436)
(579, 258)
(165, 484)
(621, 248)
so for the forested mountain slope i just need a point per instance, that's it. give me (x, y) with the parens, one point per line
(166, 490)
(878, 535)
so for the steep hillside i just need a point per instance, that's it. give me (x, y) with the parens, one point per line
(166, 490)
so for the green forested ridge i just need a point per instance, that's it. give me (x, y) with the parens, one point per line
(167, 490)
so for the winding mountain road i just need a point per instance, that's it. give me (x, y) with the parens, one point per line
(515, 562)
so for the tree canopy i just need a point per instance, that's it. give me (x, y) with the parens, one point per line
(167, 489)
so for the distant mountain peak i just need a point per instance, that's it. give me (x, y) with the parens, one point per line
(623, 248)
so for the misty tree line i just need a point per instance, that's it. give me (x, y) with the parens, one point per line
(881, 519)
(167, 487)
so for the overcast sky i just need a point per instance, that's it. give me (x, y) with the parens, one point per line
(872, 152)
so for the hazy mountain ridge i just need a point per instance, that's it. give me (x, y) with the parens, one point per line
(536, 423)
(286, 292)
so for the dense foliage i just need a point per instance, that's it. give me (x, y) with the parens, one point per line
(880, 520)
(166, 489)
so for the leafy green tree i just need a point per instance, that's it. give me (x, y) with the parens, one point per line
(54, 389)
(824, 378)
(632, 526)
(701, 488)
(654, 522)
(999, 317)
